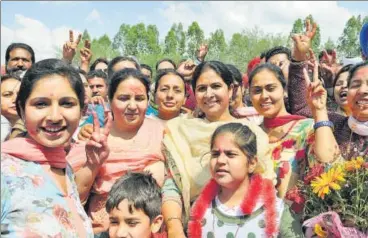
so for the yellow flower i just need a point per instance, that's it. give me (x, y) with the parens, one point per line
(319, 231)
(321, 185)
(354, 164)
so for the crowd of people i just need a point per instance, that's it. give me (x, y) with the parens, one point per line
(105, 149)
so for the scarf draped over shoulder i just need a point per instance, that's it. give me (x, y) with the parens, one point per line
(187, 152)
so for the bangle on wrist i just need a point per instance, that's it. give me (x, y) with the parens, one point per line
(293, 60)
(323, 123)
(197, 61)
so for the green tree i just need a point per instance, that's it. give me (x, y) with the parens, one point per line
(251, 43)
(195, 38)
(329, 44)
(365, 20)
(348, 43)
(137, 39)
(102, 47)
(152, 40)
(180, 36)
(86, 36)
(171, 42)
(217, 45)
(298, 27)
(121, 42)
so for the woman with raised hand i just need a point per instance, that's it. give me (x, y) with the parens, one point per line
(351, 132)
(134, 142)
(39, 197)
(294, 140)
(187, 142)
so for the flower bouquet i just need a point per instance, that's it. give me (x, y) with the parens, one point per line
(336, 199)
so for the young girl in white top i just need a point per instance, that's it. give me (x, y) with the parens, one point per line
(238, 202)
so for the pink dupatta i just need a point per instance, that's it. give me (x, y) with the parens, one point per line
(30, 150)
(145, 149)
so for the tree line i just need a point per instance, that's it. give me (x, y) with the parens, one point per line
(143, 42)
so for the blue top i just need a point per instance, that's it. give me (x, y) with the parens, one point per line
(151, 111)
(100, 114)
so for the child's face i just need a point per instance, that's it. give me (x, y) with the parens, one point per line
(229, 165)
(132, 223)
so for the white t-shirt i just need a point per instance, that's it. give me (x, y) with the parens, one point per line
(221, 221)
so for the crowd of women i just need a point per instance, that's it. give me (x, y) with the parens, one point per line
(226, 149)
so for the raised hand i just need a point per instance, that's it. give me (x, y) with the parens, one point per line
(313, 64)
(97, 148)
(86, 53)
(328, 59)
(328, 63)
(69, 48)
(316, 93)
(202, 52)
(85, 132)
(97, 100)
(302, 42)
(187, 68)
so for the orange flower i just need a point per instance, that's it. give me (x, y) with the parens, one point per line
(354, 164)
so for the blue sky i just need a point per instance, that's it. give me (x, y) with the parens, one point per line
(45, 24)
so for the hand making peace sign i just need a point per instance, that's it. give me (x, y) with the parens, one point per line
(97, 148)
(302, 42)
(69, 48)
(316, 93)
(85, 52)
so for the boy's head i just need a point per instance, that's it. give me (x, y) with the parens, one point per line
(134, 206)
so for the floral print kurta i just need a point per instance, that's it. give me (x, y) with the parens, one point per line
(291, 154)
(33, 206)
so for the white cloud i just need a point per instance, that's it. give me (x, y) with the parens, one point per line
(272, 17)
(43, 40)
(94, 16)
